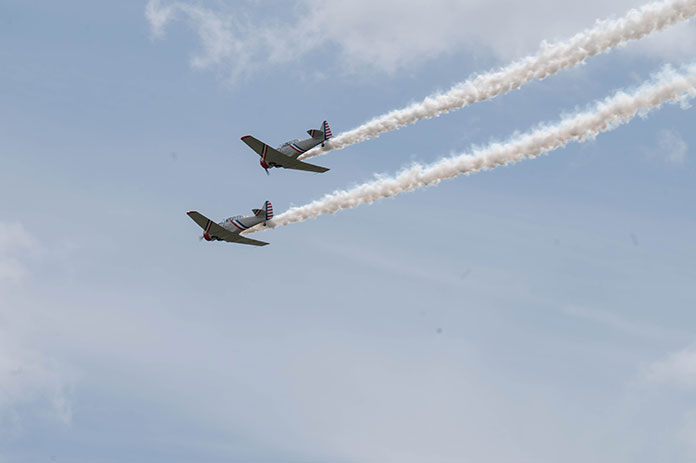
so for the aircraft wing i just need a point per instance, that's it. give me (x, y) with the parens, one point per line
(275, 157)
(242, 240)
(301, 165)
(218, 232)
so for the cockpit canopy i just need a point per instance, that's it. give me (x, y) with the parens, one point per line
(288, 143)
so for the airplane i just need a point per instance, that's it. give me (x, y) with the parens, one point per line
(229, 229)
(286, 154)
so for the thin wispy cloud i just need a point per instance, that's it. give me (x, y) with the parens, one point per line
(678, 368)
(230, 41)
(30, 377)
(672, 147)
(16, 244)
(619, 323)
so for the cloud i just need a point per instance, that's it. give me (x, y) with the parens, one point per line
(672, 147)
(678, 368)
(15, 242)
(688, 432)
(388, 35)
(230, 40)
(28, 377)
(619, 323)
(158, 16)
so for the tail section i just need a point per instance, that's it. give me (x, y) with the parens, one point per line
(324, 133)
(327, 130)
(266, 212)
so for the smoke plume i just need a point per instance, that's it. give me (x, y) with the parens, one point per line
(550, 59)
(668, 85)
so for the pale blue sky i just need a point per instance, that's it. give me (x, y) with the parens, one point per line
(539, 312)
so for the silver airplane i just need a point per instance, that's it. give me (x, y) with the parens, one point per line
(286, 154)
(229, 229)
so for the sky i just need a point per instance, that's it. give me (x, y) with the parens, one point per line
(538, 312)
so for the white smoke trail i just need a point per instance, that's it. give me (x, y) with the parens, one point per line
(550, 59)
(668, 85)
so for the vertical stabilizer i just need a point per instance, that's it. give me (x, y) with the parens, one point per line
(327, 130)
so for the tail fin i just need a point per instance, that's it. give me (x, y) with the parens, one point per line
(326, 129)
(266, 212)
(324, 133)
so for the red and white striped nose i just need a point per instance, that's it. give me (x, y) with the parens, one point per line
(264, 164)
(207, 237)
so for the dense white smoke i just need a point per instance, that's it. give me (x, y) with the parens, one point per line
(550, 59)
(666, 86)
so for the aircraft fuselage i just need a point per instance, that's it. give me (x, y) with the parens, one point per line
(236, 224)
(293, 149)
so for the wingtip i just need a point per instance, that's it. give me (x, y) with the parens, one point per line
(191, 212)
(245, 137)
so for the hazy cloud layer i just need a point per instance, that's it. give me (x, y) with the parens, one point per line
(425, 328)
